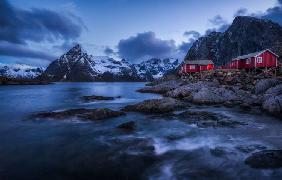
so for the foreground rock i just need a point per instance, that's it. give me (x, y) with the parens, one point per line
(85, 114)
(187, 90)
(97, 98)
(213, 95)
(208, 119)
(273, 105)
(131, 125)
(266, 159)
(164, 105)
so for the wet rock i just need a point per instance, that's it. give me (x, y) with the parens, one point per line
(161, 88)
(274, 91)
(250, 148)
(213, 96)
(218, 151)
(205, 119)
(267, 159)
(85, 114)
(164, 105)
(273, 105)
(245, 106)
(263, 85)
(97, 98)
(136, 145)
(131, 125)
(186, 90)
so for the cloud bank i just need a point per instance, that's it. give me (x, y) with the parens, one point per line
(145, 45)
(18, 27)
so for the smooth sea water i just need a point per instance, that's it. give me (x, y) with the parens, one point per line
(159, 148)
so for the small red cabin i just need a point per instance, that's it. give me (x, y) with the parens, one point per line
(190, 66)
(261, 59)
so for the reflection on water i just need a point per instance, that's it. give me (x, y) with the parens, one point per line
(160, 148)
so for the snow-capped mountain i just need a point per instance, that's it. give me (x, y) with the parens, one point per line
(77, 65)
(19, 71)
(156, 68)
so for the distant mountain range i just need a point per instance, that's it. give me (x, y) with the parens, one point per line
(19, 71)
(77, 66)
(245, 35)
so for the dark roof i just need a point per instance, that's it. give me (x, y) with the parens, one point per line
(253, 54)
(199, 62)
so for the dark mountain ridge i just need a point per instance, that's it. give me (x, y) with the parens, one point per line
(245, 35)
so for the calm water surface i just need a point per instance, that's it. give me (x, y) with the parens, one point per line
(160, 148)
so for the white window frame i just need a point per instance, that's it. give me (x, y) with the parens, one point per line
(192, 66)
(259, 60)
(248, 61)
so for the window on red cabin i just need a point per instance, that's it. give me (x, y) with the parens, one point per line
(248, 61)
(192, 67)
(259, 59)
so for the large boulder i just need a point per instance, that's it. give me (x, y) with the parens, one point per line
(267, 159)
(213, 96)
(263, 85)
(84, 114)
(273, 104)
(164, 105)
(274, 91)
(186, 90)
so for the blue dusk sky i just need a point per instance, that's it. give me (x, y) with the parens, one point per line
(36, 32)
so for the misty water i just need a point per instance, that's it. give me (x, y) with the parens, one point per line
(159, 148)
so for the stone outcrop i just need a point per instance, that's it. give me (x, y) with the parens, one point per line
(97, 98)
(164, 105)
(267, 159)
(84, 114)
(161, 88)
(205, 119)
(131, 125)
(265, 84)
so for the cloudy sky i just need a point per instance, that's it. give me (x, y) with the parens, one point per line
(36, 32)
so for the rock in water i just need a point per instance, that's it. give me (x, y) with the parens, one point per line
(205, 119)
(97, 98)
(164, 105)
(86, 114)
(131, 125)
(161, 88)
(267, 159)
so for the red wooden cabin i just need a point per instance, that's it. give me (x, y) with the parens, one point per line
(197, 66)
(261, 59)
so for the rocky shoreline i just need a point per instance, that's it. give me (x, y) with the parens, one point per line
(233, 88)
(228, 89)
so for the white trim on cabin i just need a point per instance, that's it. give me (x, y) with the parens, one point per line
(265, 51)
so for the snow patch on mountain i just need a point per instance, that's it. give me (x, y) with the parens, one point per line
(156, 68)
(19, 71)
